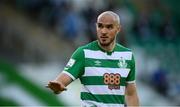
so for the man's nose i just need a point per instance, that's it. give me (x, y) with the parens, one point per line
(104, 30)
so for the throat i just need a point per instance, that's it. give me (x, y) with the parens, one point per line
(108, 48)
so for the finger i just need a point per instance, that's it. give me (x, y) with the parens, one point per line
(47, 86)
(56, 87)
(53, 82)
(64, 89)
(50, 82)
(57, 92)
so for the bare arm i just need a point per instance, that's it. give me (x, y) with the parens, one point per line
(131, 95)
(59, 84)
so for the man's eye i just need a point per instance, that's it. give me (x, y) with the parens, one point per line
(100, 26)
(109, 26)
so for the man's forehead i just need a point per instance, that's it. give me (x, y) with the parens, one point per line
(105, 24)
(107, 18)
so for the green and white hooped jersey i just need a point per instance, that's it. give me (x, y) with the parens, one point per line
(104, 75)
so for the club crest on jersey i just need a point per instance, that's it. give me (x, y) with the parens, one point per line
(122, 63)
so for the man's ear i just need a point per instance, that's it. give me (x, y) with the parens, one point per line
(118, 29)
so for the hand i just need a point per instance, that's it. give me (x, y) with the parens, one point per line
(56, 87)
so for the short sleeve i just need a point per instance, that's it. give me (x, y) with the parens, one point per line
(75, 66)
(131, 75)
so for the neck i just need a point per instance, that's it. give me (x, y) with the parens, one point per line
(108, 48)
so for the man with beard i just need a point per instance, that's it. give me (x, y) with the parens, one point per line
(105, 68)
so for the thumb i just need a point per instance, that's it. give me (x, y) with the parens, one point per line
(63, 88)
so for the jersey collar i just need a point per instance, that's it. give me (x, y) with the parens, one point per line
(107, 52)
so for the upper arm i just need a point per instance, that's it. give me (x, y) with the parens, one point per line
(75, 66)
(130, 80)
(131, 76)
(130, 89)
(131, 95)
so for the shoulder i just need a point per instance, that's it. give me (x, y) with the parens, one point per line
(92, 45)
(122, 48)
(127, 51)
(80, 50)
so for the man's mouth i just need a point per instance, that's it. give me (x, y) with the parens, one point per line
(103, 37)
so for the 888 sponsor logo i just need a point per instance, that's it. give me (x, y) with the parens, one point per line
(112, 80)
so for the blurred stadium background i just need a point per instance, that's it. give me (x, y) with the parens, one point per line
(37, 37)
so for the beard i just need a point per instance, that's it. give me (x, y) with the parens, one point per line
(106, 42)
